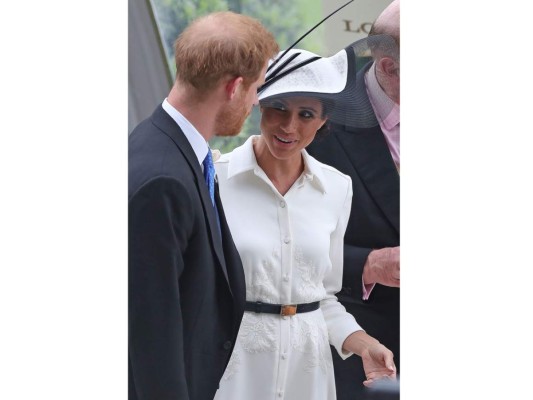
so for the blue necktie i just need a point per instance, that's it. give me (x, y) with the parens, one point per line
(209, 175)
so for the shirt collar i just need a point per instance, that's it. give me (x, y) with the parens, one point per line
(197, 141)
(243, 159)
(387, 111)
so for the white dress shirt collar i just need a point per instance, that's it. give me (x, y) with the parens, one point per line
(197, 141)
(243, 159)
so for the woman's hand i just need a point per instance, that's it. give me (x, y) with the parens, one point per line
(378, 361)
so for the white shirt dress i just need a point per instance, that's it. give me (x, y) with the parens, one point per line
(292, 252)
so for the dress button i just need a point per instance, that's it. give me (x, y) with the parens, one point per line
(282, 204)
(287, 240)
(280, 394)
(283, 356)
(286, 278)
(227, 345)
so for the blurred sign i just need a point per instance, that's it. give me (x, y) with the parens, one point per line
(349, 24)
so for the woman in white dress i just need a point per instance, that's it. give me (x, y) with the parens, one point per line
(288, 214)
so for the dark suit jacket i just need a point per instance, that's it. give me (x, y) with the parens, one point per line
(186, 283)
(362, 153)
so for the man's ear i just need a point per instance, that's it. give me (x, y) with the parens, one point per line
(389, 66)
(232, 86)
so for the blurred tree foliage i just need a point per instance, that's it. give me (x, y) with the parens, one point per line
(287, 20)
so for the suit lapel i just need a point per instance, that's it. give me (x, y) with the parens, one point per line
(234, 265)
(371, 157)
(162, 120)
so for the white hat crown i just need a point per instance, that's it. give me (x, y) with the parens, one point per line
(320, 76)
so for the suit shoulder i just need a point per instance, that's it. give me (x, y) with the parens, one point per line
(152, 155)
(163, 165)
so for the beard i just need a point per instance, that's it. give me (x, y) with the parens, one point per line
(230, 119)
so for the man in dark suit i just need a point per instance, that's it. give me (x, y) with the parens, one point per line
(186, 283)
(369, 153)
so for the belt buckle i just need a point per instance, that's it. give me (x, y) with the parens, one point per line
(288, 310)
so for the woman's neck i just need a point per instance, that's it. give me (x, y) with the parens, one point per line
(282, 173)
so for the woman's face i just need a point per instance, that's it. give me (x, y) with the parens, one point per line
(288, 125)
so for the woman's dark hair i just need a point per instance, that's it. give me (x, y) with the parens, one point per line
(327, 107)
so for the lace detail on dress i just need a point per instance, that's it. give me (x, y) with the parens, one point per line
(261, 286)
(233, 365)
(311, 337)
(258, 333)
(310, 287)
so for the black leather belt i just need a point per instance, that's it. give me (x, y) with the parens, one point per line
(283, 310)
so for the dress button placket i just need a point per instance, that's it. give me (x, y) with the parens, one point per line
(286, 250)
(284, 291)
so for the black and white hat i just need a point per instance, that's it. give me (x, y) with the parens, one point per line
(305, 73)
(338, 79)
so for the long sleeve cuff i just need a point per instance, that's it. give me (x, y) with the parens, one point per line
(339, 333)
(367, 289)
